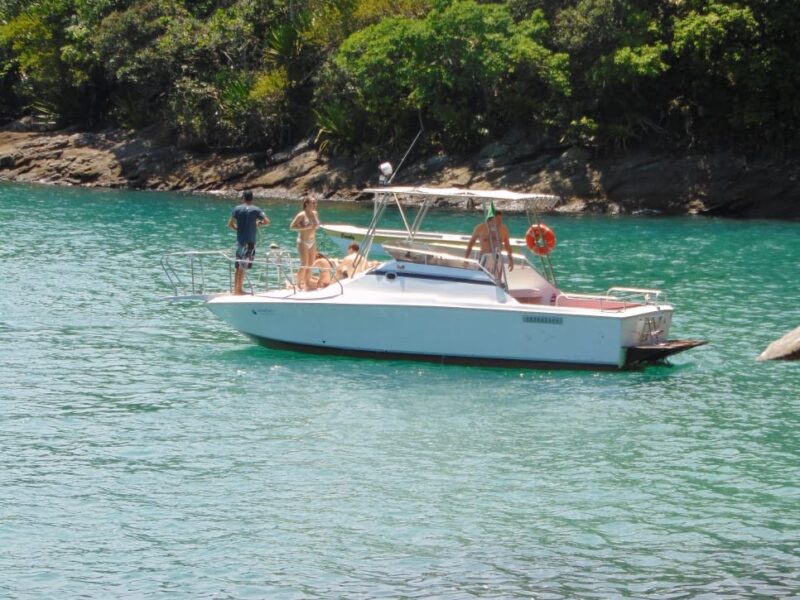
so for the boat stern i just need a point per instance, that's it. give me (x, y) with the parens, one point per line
(646, 339)
(636, 356)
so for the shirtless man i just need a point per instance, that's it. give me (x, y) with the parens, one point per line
(482, 232)
(306, 223)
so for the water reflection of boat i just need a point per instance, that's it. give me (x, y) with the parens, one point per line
(432, 303)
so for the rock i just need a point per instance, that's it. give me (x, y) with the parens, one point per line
(765, 188)
(7, 161)
(574, 158)
(786, 348)
(85, 170)
(284, 174)
(302, 147)
(696, 207)
(82, 140)
(25, 124)
(644, 182)
(456, 177)
(493, 150)
(226, 170)
(503, 155)
(436, 163)
(514, 137)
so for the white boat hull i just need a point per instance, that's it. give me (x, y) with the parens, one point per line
(361, 319)
(430, 302)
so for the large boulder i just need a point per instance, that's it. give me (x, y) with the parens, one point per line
(786, 348)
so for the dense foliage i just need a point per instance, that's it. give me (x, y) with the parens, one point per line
(362, 75)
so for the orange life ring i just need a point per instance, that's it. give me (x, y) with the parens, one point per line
(540, 239)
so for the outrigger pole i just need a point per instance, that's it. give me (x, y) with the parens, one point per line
(387, 171)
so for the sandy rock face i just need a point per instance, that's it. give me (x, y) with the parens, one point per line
(719, 184)
(786, 348)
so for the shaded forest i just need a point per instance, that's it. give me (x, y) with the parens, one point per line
(360, 77)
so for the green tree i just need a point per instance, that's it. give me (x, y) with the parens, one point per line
(738, 79)
(619, 59)
(191, 71)
(779, 71)
(144, 49)
(262, 73)
(468, 69)
(49, 57)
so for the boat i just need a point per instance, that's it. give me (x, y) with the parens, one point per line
(432, 303)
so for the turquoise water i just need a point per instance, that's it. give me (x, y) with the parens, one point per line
(148, 451)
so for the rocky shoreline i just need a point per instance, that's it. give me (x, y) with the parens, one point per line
(703, 184)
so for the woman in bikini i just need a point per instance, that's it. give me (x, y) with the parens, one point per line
(305, 224)
(321, 272)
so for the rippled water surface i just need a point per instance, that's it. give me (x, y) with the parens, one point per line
(146, 450)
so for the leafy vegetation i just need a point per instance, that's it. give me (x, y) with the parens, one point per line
(359, 76)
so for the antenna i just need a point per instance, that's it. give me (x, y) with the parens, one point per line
(387, 172)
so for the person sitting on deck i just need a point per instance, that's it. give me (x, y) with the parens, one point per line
(322, 270)
(347, 267)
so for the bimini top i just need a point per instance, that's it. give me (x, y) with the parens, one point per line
(464, 193)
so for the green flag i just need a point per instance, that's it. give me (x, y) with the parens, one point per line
(490, 212)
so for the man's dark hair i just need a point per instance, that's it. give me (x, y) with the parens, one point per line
(247, 195)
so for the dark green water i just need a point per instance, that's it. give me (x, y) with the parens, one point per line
(147, 451)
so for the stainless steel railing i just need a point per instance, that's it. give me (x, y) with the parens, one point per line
(203, 274)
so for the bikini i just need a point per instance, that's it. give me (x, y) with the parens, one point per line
(309, 244)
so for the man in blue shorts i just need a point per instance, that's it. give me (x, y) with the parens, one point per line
(244, 220)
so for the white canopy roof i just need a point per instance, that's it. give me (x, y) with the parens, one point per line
(461, 193)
